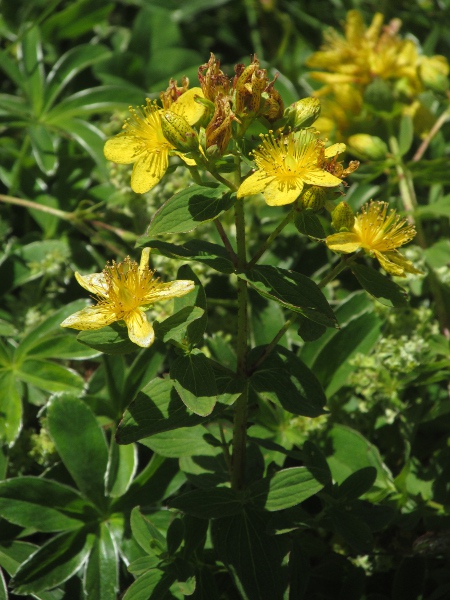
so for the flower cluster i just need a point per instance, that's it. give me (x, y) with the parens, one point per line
(371, 61)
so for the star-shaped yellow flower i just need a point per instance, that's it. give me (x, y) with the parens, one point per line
(379, 234)
(124, 291)
(143, 143)
(286, 164)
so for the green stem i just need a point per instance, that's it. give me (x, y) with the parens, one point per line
(226, 242)
(17, 167)
(338, 268)
(409, 200)
(288, 218)
(229, 184)
(240, 416)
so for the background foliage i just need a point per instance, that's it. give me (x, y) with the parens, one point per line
(85, 517)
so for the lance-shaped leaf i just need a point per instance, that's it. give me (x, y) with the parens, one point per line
(209, 504)
(286, 380)
(102, 574)
(81, 445)
(286, 488)
(252, 556)
(195, 298)
(213, 255)
(43, 504)
(379, 286)
(293, 291)
(190, 208)
(53, 563)
(112, 339)
(194, 380)
(11, 407)
(156, 408)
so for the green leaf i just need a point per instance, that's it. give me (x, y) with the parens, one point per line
(14, 553)
(252, 556)
(49, 376)
(143, 564)
(90, 138)
(316, 462)
(213, 255)
(189, 208)
(267, 319)
(194, 380)
(63, 346)
(51, 323)
(286, 380)
(332, 365)
(32, 68)
(352, 452)
(308, 223)
(146, 534)
(174, 327)
(69, 66)
(153, 585)
(308, 330)
(357, 483)
(183, 441)
(286, 488)
(53, 563)
(101, 579)
(3, 587)
(122, 466)
(197, 297)
(76, 19)
(379, 286)
(11, 70)
(352, 529)
(406, 134)
(156, 408)
(43, 504)
(293, 291)
(112, 339)
(11, 408)
(441, 208)
(209, 504)
(44, 148)
(80, 443)
(105, 98)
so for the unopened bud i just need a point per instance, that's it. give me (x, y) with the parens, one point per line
(314, 198)
(342, 217)
(303, 113)
(367, 147)
(433, 71)
(178, 132)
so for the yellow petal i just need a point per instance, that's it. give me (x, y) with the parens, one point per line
(279, 195)
(123, 149)
(335, 149)
(187, 107)
(95, 283)
(140, 331)
(343, 242)
(254, 184)
(354, 27)
(395, 263)
(321, 178)
(149, 170)
(173, 289)
(145, 260)
(91, 317)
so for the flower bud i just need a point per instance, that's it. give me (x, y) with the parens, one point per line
(342, 217)
(314, 198)
(433, 71)
(367, 147)
(178, 132)
(173, 92)
(303, 113)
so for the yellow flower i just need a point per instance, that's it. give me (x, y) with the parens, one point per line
(143, 143)
(124, 291)
(379, 234)
(286, 164)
